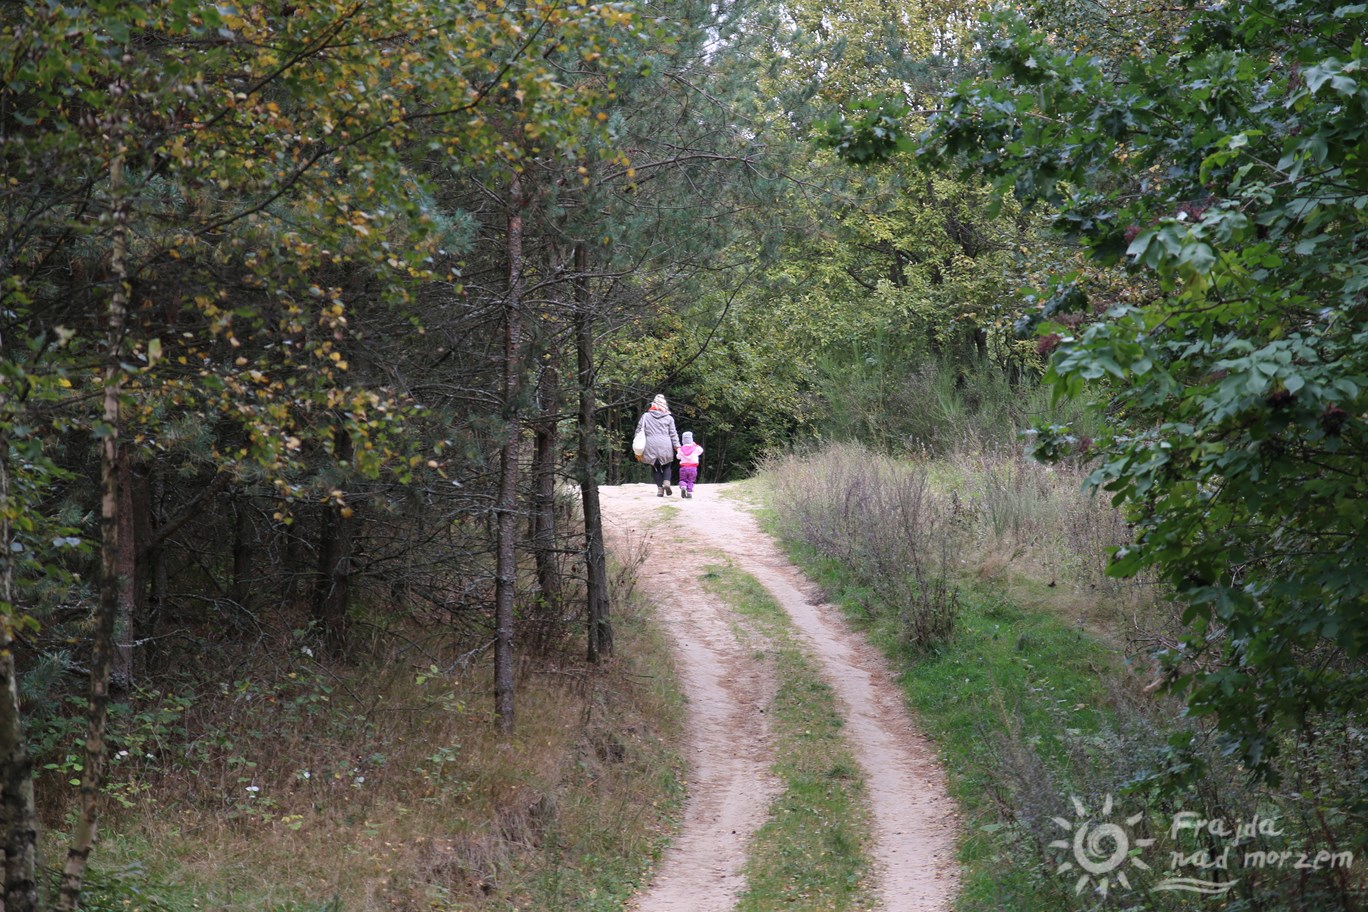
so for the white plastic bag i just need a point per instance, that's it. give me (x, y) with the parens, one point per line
(639, 442)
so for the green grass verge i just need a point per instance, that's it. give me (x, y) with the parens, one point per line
(1010, 677)
(809, 854)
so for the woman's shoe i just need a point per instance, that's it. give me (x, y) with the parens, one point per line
(660, 490)
(668, 492)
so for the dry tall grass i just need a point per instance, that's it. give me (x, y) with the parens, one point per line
(996, 515)
(307, 784)
(868, 511)
(1034, 527)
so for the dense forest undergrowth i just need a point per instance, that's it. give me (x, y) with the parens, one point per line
(304, 783)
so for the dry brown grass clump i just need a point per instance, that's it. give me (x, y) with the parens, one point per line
(1030, 531)
(311, 784)
(870, 512)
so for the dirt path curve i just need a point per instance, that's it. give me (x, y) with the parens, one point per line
(728, 745)
(913, 844)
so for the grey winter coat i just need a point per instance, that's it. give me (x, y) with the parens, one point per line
(661, 437)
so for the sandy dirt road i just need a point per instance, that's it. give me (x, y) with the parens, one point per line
(729, 749)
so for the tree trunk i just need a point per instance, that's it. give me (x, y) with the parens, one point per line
(614, 472)
(586, 469)
(156, 553)
(144, 530)
(121, 674)
(719, 461)
(546, 444)
(18, 814)
(243, 535)
(506, 505)
(102, 652)
(332, 589)
(301, 565)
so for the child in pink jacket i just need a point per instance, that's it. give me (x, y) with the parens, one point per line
(688, 454)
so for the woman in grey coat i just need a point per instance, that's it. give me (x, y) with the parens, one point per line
(661, 442)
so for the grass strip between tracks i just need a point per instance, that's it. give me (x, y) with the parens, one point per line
(809, 854)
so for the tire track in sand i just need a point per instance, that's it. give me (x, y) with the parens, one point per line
(728, 745)
(914, 820)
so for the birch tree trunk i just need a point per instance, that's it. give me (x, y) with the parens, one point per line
(586, 468)
(506, 504)
(102, 654)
